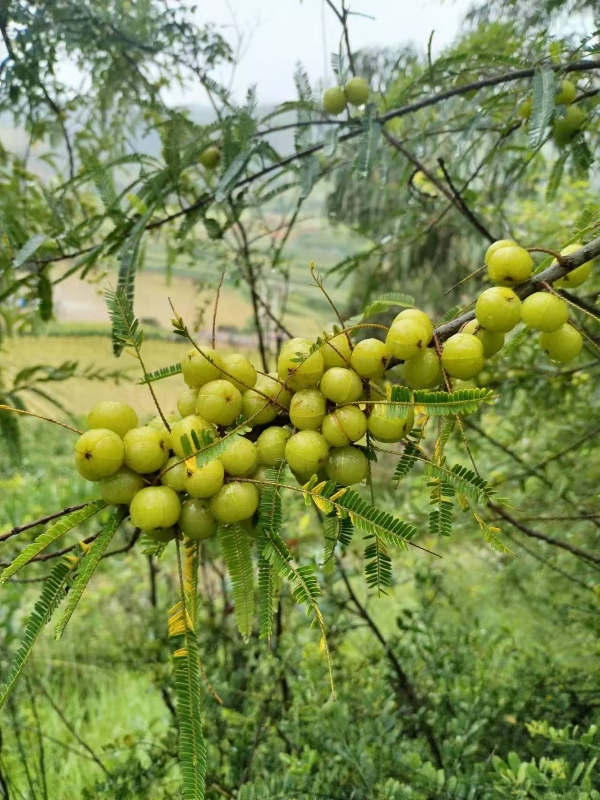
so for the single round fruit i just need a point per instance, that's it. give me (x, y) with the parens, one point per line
(186, 402)
(389, 430)
(120, 489)
(297, 368)
(357, 91)
(566, 127)
(261, 404)
(337, 351)
(307, 410)
(370, 358)
(344, 425)
(418, 316)
(423, 371)
(544, 312)
(563, 344)
(509, 266)
(239, 371)
(114, 416)
(196, 520)
(271, 445)
(524, 109)
(146, 449)
(334, 100)
(235, 502)
(241, 456)
(210, 158)
(492, 341)
(462, 356)
(347, 465)
(162, 535)
(185, 427)
(407, 338)
(498, 309)
(201, 366)
(98, 453)
(340, 385)
(566, 94)
(577, 276)
(495, 246)
(204, 481)
(174, 474)
(306, 452)
(155, 507)
(219, 402)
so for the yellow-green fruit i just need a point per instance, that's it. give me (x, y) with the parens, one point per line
(577, 276)
(120, 488)
(370, 358)
(563, 344)
(418, 316)
(344, 425)
(146, 449)
(336, 351)
(162, 535)
(423, 371)
(204, 481)
(271, 445)
(261, 404)
(174, 474)
(235, 502)
(196, 520)
(545, 312)
(334, 100)
(185, 427)
(239, 371)
(219, 402)
(566, 127)
(509, 266)
(347, 466)
(306, 452)
(114, 416)
(407, 338)
(155, 507)
(492, 341)
(340, 385)
(385, 429)
(186, 402)
(98, 453)
(462, 356)
(498, 309)
(307, 410)
(201, 366)
(297, 368)
(566, 95)
(241, 456)
(524, 109)
(357, 91)
(211, 157)
(495, 246)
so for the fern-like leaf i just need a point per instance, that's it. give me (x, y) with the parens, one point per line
(236, 551)
(369, 139)
(338, 530)
(378, 566)
(463, 480)
(386, 301)
(543, 106)
(163, 372)
(556, 177)
(192, 747)
(447, 426)
(410, 456)
(125, 326)
(267, 588)
(440, 518)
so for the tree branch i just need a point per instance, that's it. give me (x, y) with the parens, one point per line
(42, 520)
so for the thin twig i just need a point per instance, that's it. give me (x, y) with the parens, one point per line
(215, 309)
(463, 207)
(43, 520)
(39, 416)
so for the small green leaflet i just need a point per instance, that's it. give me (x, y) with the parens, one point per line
(163, 372)
(544, 86)
(386, 301)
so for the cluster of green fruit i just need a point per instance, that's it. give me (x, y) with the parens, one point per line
(355, 92)
(568, 121)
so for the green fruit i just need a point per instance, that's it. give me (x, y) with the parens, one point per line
(235, 502)
(566, 95)
(113, 416)
(370, 358)
(498, 309)
(347, 466)
(155, 507)
(509, 266)
(340, 385)
(524, 109)
(162, 535)
(344, 425)
(201, 366)
(357, 91)
(544, 312)
(306, 452)
(334, 100)
(307, 410)
(146, 449)
(262, 404)
(219, 402)
(407, 338)
(300, 374)
(210, 158)
(417, 316)
(423, 371)
(388, 430)
(241, 456)
(196, 520)
(462, 356)
(563, 344)
(337, 351)
(186, 427)
(271, 445)
(239, 371)
(205, 481)
(174, 474)
(186, 402)
(495, 246)
(577, 276)
(98, 453)
(566, 127)
(121, 487)
(492, 341)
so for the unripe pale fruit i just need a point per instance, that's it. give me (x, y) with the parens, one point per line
(200, 367)
(239, 371)
(462, 356)
(357, 91)
(211, 157)
(241, 456)
(120, 489)
(155, 507)
(174, 474)
(340, 385)
(418, 316)
(577, 276)
(146, 449)
(196, 520)
(307, 410)
(566, 127)
(334, 100)
(219, 402)
(347, 466)
(498, 309)
(114, 416)
(407, 338)
(344, 425)
(98, 453)
(186, 402)
(162, 535)
(205, 481)
(495, 246)
(423, 371)
(384, 429)
(544, 312)
(492, 341)
(370, 358)
(337, 351)
(271, 445)
(563, 344)
(509, 266)
(185, 427)
(566, 95)
(235, 502)
(306, 452)
(300, 375)
(256, 405)
(524, 109)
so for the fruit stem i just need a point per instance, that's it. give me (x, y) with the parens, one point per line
(558, 256)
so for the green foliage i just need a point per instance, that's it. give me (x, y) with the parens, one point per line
(235, 549)
(544, 88)
(163, 372)
(125, 326)
(192, 748)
